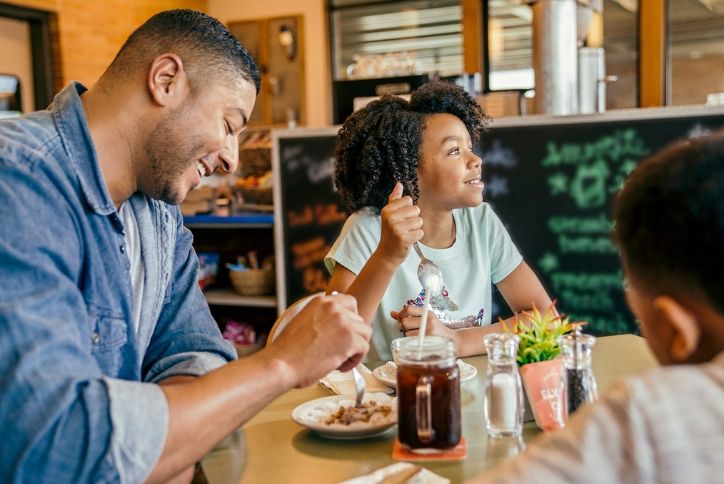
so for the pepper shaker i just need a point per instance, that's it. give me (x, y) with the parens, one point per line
(579, 380)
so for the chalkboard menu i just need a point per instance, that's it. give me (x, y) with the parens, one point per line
(552, 181)
(307, 210)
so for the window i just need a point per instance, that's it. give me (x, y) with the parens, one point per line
(620, 43)
(696, 51)
(429, 31)
(10, 98)
(510, 48)
(510, 41)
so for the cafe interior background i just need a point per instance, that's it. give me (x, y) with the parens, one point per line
(591, 85)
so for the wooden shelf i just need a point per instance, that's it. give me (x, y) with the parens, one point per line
(243, 220)
(228, 297)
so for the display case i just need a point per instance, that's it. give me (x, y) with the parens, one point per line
(234, 239)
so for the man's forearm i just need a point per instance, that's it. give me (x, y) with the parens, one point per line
(205, 409)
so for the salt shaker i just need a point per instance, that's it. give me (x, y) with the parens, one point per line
(579, 380)
(503, 389)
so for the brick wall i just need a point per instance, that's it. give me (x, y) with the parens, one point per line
(693, 79)
(89, 33)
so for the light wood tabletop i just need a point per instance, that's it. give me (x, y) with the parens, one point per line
(271, 447)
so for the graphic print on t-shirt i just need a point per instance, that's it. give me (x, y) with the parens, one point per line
(443, 304)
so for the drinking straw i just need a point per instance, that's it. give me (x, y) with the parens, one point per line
(423, 322)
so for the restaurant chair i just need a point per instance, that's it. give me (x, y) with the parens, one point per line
(288, 314)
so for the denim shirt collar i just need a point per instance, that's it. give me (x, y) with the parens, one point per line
(71, 121)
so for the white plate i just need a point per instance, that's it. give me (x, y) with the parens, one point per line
(387, 373)
(311, 413)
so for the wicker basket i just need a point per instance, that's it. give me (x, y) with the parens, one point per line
(253, 282)
(254, 161)
(251, 195)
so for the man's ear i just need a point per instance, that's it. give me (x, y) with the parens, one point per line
(684, 327)
(167, 81)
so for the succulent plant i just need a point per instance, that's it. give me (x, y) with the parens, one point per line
(538, 333)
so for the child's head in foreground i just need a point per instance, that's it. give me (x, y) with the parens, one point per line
(391, 140)
(669, 225)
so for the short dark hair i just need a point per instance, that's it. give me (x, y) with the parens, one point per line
(204, 44)
(669, 220)
(379, 145)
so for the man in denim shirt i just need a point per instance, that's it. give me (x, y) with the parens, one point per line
(112, 368)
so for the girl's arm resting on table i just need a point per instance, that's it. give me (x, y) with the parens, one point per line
(468, 341)
(521, 289)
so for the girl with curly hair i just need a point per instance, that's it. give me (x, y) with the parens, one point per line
(400, 163)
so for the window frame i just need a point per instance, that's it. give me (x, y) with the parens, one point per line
(44, 69)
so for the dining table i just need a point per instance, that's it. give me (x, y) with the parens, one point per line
(271, 447)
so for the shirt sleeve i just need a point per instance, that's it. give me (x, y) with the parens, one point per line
(504, 255)
(599, 444)
(139, 431)
(186, 339)
(356, 243)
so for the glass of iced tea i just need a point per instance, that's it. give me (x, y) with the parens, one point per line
(428, 395)
(395, 347)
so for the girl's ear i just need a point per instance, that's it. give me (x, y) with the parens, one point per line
(685, 330)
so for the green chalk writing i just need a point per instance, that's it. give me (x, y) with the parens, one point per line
(586, 281)
(599, 224)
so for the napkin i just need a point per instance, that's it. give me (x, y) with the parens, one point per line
(343, 384)
(423, 477)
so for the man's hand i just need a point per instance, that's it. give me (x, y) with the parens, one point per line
(401, 226)
(326, 335)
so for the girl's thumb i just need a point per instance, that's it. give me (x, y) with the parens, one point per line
(396, 193)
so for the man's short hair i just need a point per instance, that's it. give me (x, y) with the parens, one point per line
(669, 220)
(206, 47)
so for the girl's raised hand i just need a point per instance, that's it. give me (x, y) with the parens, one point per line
(401, 226)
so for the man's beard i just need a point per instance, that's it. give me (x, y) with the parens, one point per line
(167, 156)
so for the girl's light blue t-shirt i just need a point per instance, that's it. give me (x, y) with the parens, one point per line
(482, 254)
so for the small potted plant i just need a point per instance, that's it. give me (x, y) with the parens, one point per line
(540, 367)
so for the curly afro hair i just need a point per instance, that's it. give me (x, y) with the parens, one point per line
(669, 220)
(444, 97)
(376, 147)
(379, 145)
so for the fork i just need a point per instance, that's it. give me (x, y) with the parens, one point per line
(359, 381)
(359, 386)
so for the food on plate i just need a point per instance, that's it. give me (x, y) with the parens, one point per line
(376, 409)
(364, 413)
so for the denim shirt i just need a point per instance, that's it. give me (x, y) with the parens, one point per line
(78, 395)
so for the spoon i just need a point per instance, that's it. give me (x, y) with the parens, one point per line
(429, 274)
(430, 277)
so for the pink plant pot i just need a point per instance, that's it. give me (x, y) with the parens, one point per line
(544, 388)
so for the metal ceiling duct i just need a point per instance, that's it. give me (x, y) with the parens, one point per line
(556, 39)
